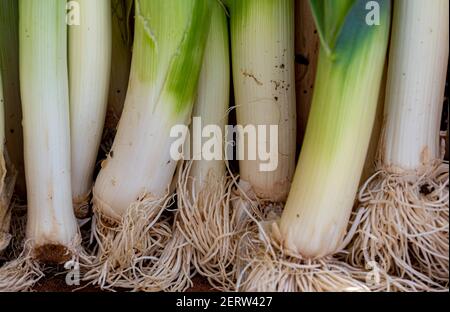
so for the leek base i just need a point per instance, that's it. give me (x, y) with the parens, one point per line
(266, 266)
(139, 250)
(22, 273)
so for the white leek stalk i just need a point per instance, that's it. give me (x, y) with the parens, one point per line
(51, 224)
(213, 93)
(132, 189)
(262, 40)
(140, 162)
(410, 188)
(9, 64)
(203, 191)
(89, 72)
(413, 119)
(314, 222)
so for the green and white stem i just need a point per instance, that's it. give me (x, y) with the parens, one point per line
(167, 56)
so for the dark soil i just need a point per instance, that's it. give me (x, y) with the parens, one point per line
(58, 284)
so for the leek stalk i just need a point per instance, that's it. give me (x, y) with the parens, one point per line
(89, 72)
(51, 224)
(262, 41)
(339, 127)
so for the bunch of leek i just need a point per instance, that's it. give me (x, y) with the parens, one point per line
(297, 252)
(132, 189)
(403, 228)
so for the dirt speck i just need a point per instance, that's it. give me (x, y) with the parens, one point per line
(249, 75)
(426, 189)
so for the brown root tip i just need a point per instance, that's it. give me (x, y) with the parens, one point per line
(52, 254)
(81, 206)
(82, 211)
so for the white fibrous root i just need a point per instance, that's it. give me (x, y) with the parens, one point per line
(31, 265)
(403, 230)
(123, 244)
(265, 265)
(211, 225)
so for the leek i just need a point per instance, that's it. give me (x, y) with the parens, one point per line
(132, 188)
(410, 187)
(51, 226)
(204, 210)
(339, 129)
(89, 71)
(52, 234)
(9, 64)
(262, 41)
(314, 222)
